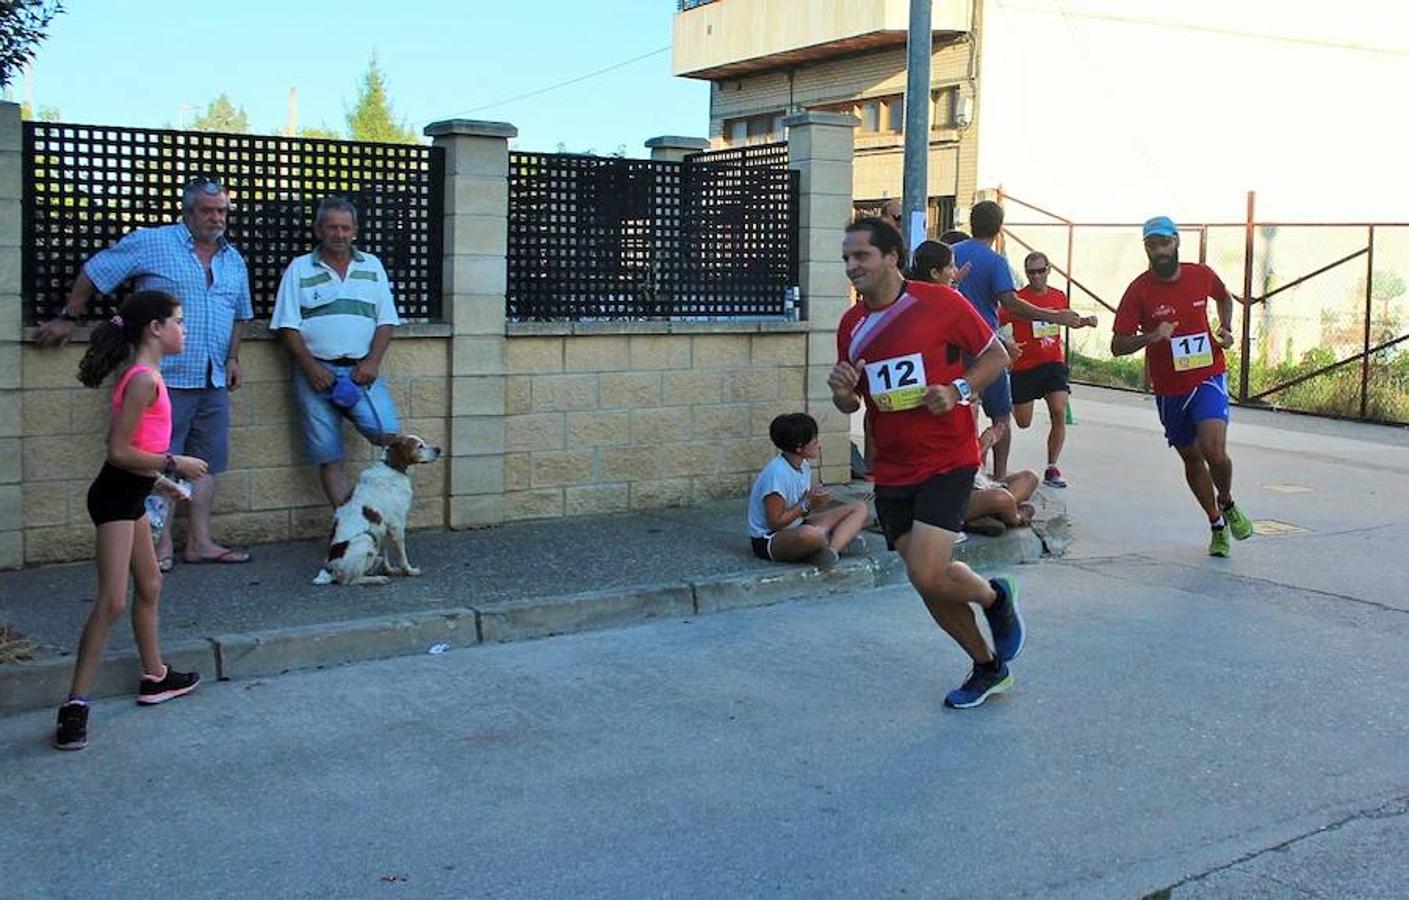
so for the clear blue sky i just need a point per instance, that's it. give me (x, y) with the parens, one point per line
(137, 62)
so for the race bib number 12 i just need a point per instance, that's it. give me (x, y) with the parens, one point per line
(897, 383)
(1191, 351)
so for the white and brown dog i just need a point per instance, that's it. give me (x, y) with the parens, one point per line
(369, 530)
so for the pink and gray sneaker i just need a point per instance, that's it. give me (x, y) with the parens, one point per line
(171, 685)
(1053, 478)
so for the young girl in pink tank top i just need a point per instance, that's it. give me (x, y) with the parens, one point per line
(148, 327)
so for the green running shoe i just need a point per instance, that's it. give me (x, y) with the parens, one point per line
(1218, 545)
(1239, 524)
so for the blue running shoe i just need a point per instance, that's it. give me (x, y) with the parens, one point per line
(1005, 620)
(980, 685)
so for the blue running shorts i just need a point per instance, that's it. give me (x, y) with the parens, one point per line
(1181, 413)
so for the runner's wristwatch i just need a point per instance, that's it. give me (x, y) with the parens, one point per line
(966, 393)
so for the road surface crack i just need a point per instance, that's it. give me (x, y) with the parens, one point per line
(1390, 809)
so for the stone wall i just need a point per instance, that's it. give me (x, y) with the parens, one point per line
(603, 422)
(269, 494)
(536, 420)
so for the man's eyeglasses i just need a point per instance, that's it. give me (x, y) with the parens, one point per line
(1037, 271)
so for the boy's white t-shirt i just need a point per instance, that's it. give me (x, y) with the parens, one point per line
(778, 477)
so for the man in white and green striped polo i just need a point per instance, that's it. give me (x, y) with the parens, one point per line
(335, 313)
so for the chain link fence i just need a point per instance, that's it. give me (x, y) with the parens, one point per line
(1322, 317)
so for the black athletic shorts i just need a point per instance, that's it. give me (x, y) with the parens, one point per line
(118, 495)
(938, 500)
(1039, 381)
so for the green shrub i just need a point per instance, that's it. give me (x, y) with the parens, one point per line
(1334, 393)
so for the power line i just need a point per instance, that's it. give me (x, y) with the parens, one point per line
(1225, 31)
(563, 84)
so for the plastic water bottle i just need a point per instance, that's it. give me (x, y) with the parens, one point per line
(159, 502)
(158, 514)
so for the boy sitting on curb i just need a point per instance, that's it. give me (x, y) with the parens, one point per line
(782, 524)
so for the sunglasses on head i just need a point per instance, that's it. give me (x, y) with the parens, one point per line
(206, 185)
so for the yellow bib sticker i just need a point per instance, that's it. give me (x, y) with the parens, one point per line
(1046, 329)
(1191, 351)
(897, 383)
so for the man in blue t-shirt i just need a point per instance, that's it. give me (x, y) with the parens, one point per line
(987, 282)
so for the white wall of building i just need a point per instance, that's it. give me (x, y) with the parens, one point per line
(1120, 109)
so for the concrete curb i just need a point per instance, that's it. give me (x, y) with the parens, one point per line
(280, 650)
(42, 683)
(726, 592)
(45, 682)
(566, 613)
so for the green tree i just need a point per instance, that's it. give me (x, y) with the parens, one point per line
(1385, 285)
(222, 115)
(371, 117)
(46, 113)
(22, 26)
(319, 131)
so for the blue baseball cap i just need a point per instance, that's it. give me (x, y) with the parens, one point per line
(1161, 226)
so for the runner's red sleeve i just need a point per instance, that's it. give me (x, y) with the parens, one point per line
(1128, 315)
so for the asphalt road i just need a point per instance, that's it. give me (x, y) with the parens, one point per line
(1215, 727)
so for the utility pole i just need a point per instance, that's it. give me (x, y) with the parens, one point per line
(915, 194)
(291, 121)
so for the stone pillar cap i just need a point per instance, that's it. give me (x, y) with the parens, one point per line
(815, 117)
(470, 128)
(677, 142)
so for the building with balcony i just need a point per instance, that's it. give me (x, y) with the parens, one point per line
(766, 58)
(1096, 109)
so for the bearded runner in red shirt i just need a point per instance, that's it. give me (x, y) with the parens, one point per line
(901, 349)
(1165, 313)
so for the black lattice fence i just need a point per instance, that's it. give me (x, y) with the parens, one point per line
(775, 154)
(88, 185)
(610, 238)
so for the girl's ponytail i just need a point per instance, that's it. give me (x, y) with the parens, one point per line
(111, 342)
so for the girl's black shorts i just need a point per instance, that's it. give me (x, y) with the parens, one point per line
(118, 495)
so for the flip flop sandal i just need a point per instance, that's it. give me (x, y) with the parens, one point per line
(230, 556)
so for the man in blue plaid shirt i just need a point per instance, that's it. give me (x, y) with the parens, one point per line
(192, 261)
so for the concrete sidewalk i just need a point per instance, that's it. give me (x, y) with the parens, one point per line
(517, 581)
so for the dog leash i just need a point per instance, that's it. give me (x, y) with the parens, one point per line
(381, 429)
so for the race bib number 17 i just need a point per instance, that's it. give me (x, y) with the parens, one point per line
(1191, 351)
(897, 383)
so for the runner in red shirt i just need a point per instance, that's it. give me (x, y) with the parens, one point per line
(901, 350)
(1165, 313)
(1040, 371)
